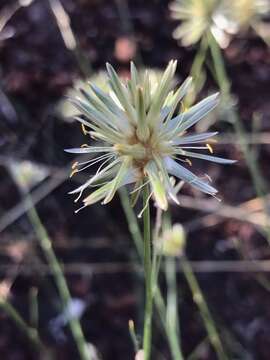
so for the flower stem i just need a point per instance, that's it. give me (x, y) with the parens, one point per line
(172, 320)
(147, 334)
(158, 300)
(46, 245)
(30, 332)
(203, 308)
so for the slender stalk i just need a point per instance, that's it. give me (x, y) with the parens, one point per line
(147, 333)
(197, 72)
(204, 310)
(33, 300)
(157, 296)
(172, 320)
(132, 221)
(46, 245)
(252, 163)
(30, 332)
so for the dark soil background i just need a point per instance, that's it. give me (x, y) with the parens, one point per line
(36, 69)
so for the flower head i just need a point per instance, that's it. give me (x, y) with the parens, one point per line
(221, 18)
(243, 13)
(142, 141)
(172, 241)
(198, 18)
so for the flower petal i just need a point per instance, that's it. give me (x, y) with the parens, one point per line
(184, 174)
(97, 195)
(161, 93)
(109, 171)
(190, 117)
(157, 185)
(117, 181)
(89, 150)
(121, 92)
(192, 139)
(205, 157)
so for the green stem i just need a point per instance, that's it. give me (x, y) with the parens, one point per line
(30, 332)
(46, 245)
(132, 221)
(252, 163)
(157, 296)
(204, 310)
(172, 320)
(147, 333)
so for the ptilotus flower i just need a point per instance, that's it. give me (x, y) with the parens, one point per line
(221, 18)
(141, 137)
(243, 13)
(66, 109)
(172, 241)
(198, 18)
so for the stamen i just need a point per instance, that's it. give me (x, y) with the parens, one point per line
(96, 161)
(146, 204)
(101, 157)
(76, 211)
(85, 132)
(75, 165)
(78, 197)
(209, 147)
(140, 187)
(73, 172)
(189, 162)
(102, 165)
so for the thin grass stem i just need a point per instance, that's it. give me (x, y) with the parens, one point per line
(46, 245)
(204, 310)
(147, 332)
(30, 332)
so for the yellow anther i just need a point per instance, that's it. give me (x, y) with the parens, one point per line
(73, 172)
(209, 147)
(85, 132)
(189, 162)
(84, 145)
(74, 165)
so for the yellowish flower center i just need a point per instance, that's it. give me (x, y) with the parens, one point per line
(143, 151)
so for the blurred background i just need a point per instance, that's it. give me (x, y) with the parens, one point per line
(46, 48)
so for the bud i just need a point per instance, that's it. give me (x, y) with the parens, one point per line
(173, 241)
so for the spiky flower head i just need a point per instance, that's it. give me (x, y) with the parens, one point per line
(197, 20)
(243, 13)
(66, 110)
(142, 140)
(221, 18)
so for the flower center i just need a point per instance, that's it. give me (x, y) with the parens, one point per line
(142, 152)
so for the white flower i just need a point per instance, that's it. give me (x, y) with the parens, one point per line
(142, 139)
(243, 13)
(198, 18)
(221, 18)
